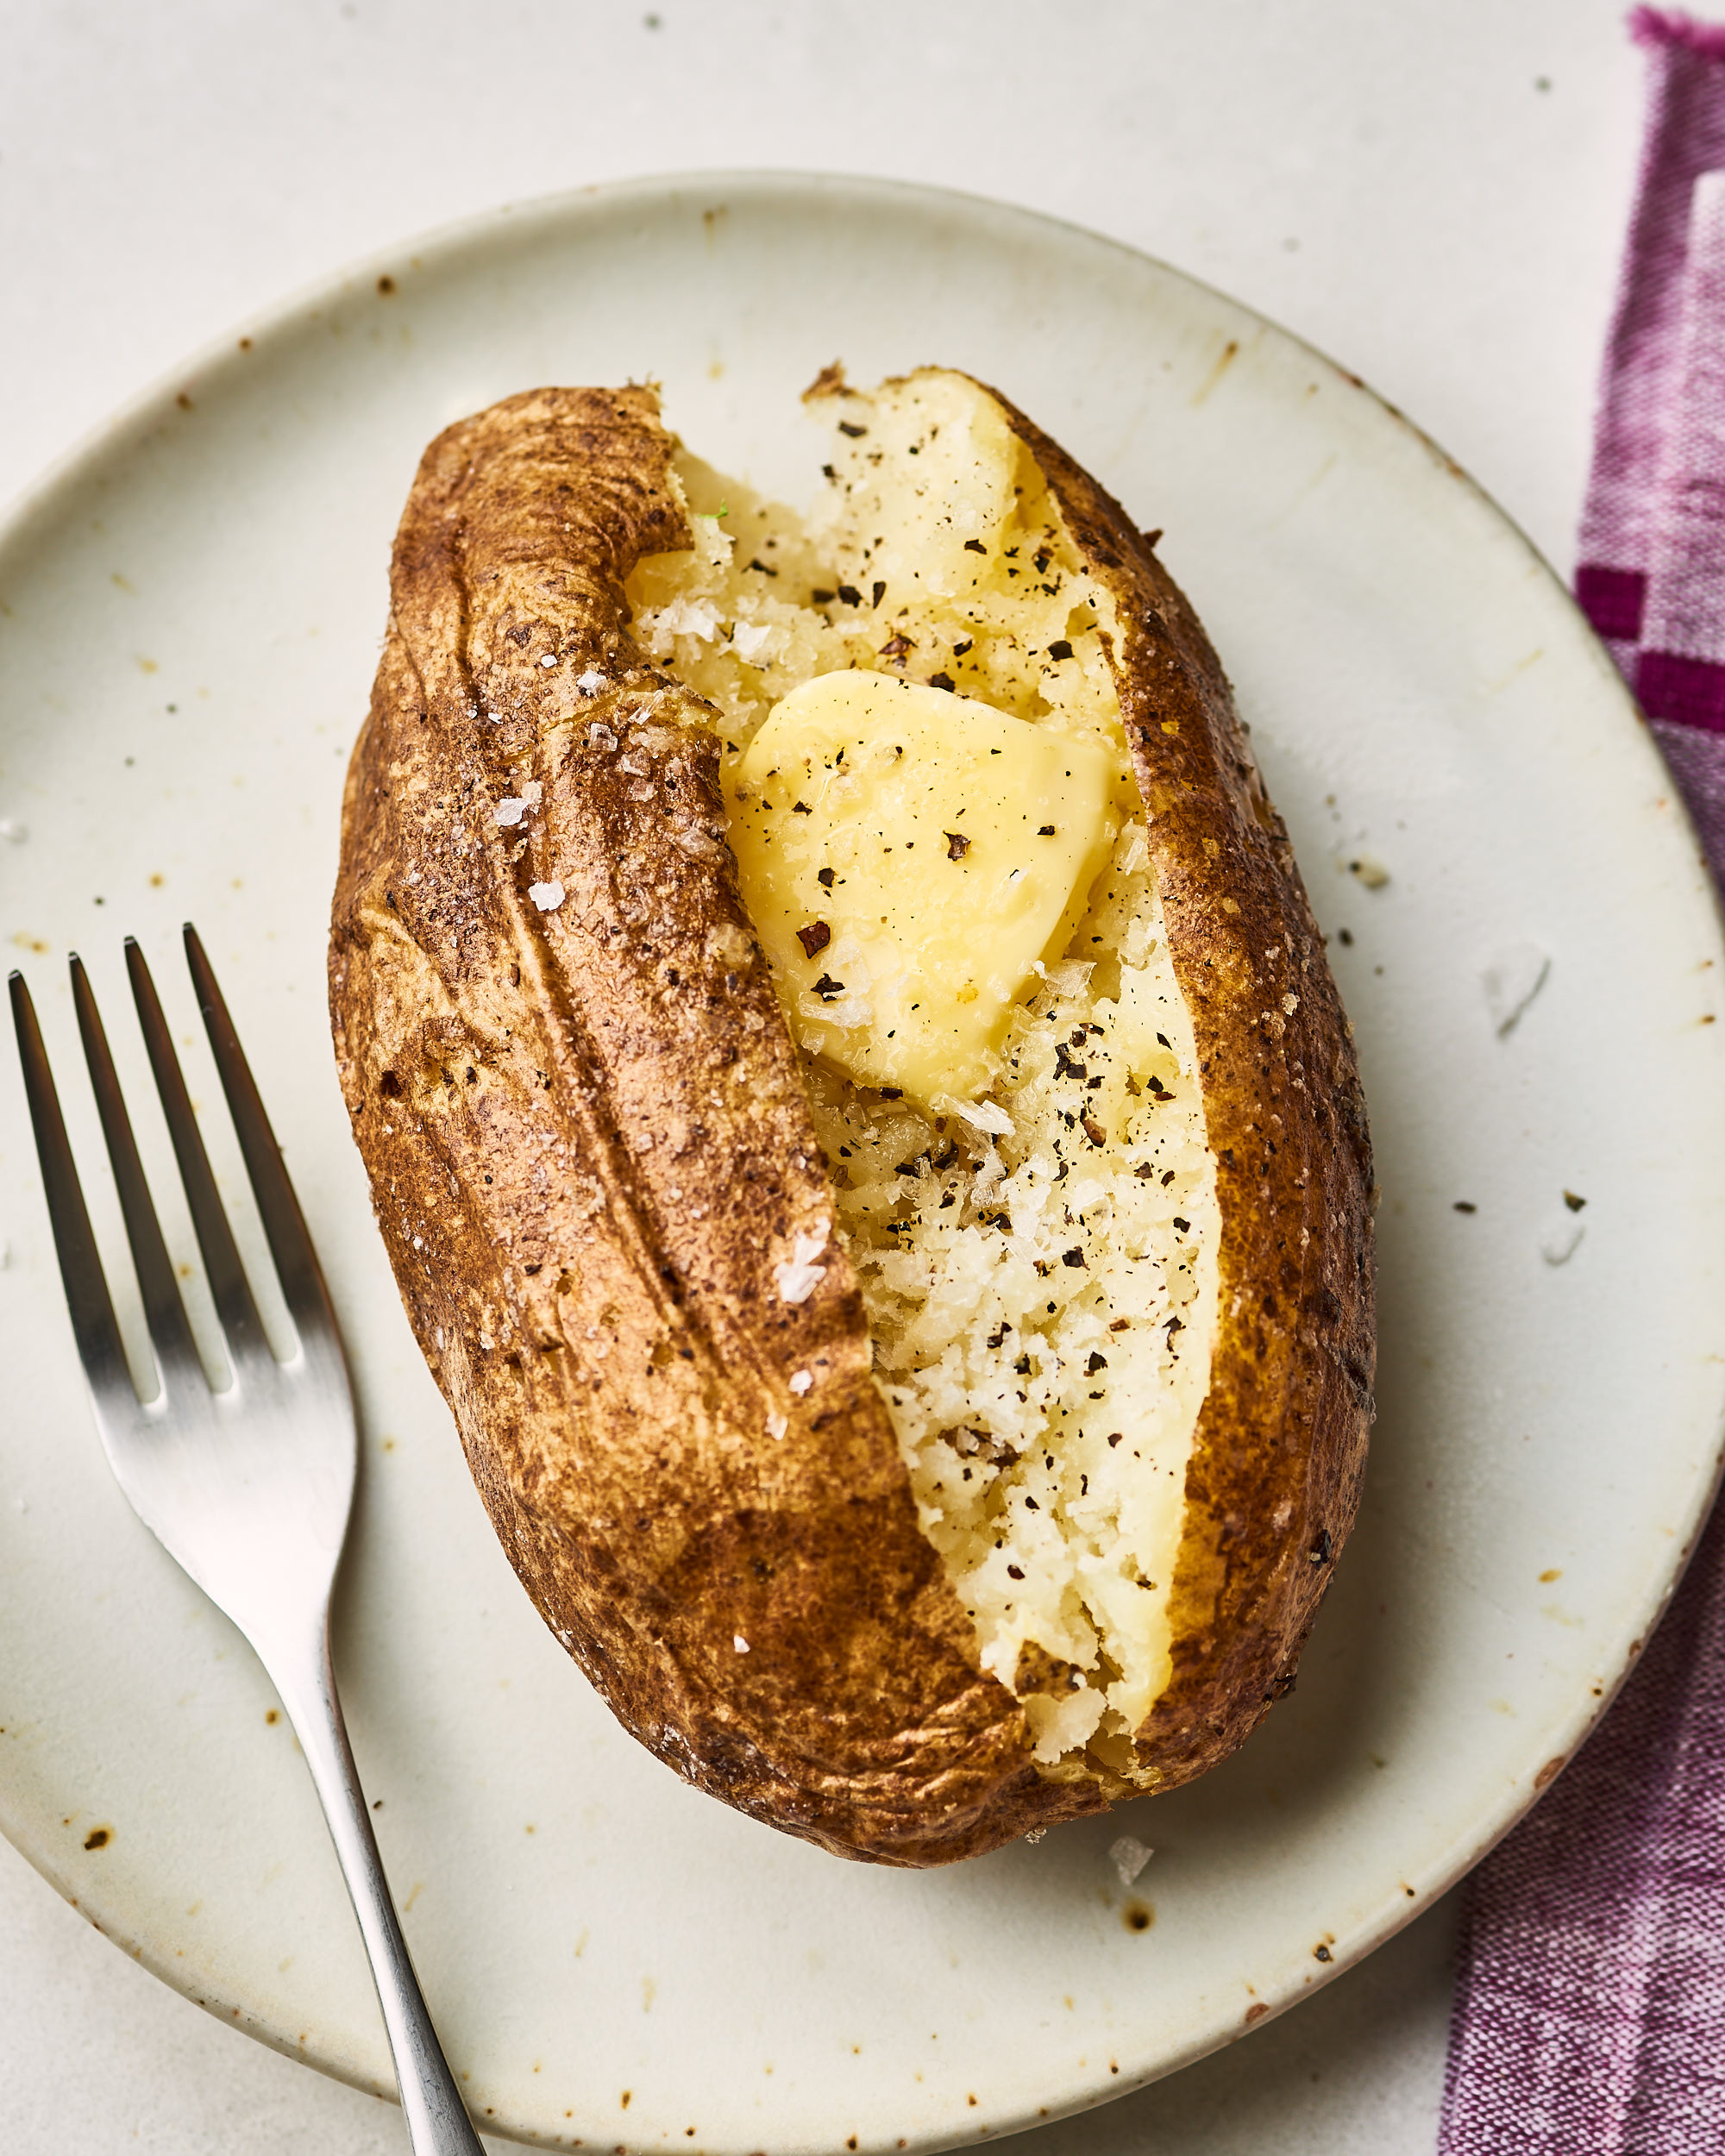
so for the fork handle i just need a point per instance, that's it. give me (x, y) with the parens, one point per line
(437, 2121)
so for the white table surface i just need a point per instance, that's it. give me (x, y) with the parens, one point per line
(1434, 192)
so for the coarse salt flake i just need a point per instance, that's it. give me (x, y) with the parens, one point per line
(795, 1278)
(689, 617)
(548, 660)
(1070, 978)
(980, 1115)
(802, 1381)
(547, 897)
(758, 643)
(739, 1643)
(776, 1425)
(591, 682)
(512, 811)
(1129, 1857)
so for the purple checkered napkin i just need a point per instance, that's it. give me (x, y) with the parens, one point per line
(1589, 2015)
(1652, 533)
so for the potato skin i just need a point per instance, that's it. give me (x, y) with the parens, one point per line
(589, 1144)
(1279, 1456)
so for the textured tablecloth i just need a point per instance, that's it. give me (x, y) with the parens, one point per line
(1590, 2016)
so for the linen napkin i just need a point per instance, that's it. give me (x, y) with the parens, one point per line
(1590, 2012)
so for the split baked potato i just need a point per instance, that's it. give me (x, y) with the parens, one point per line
(909, 1319)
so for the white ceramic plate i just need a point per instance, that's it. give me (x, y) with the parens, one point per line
(189, 615)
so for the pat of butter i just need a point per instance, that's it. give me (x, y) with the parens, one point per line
(907, 855)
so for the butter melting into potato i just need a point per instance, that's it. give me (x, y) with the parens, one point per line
(928, 849)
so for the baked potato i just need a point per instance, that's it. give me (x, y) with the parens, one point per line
(910, 1320)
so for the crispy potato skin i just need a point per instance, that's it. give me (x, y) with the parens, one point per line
(589, 1144)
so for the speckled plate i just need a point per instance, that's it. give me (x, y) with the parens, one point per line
(189, 615)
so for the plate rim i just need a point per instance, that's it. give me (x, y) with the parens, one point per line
(128, 425)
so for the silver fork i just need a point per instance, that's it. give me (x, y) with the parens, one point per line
(247, 1489)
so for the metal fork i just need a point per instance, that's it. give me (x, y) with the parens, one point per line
(247, 1489)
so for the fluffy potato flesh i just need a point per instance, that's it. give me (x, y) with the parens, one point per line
(1037, 1245)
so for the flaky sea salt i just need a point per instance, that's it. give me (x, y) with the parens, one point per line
(797, 1277)
(1129, 1857)
(739, 1643)
(757, 643)
(548, 660)
(687, 618)
(547, 897)
(776, 1425)
(801, 1381)
(601, 736)
(591, 682)
(980, 1115)
(1070, 978)
(512, 811)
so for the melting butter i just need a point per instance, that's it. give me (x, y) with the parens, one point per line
(906, 856)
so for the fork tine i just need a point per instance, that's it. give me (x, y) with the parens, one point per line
(164, 1312)
(295, 1261)
(93, 1323)
(229, 1286)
